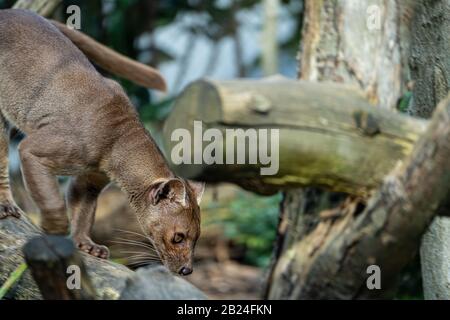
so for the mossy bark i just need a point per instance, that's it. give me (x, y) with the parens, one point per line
(329, 134)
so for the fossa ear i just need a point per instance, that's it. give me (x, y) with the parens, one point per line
(199, 189)
(170, 189)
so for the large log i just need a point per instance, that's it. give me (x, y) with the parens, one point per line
(329, 134)
(108, 278)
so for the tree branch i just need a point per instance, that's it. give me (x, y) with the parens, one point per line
(330, 136)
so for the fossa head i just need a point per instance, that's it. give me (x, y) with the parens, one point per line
(171, 220)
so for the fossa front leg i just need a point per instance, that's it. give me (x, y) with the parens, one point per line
(82, 200)
(8, 207)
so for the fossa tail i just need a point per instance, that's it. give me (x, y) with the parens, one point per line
(114, 62)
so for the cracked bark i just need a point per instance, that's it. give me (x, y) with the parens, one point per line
(327, 258)
(430, 66)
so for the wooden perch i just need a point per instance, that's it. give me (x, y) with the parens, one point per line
(330, 136)
(331, 261)
(50, 258)
(108, 278)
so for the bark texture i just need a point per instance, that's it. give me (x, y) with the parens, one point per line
(343, 42)
(430, 66)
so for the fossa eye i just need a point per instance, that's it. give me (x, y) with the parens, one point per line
(178, 237)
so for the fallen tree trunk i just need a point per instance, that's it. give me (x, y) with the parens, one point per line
(329, 134)
(108, 278)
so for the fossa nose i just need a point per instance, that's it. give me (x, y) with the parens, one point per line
(184, 271)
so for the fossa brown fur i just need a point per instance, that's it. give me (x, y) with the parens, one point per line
(80, 124)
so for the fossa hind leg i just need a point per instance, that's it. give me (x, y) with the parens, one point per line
(7, 205)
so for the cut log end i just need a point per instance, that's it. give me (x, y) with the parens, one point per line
(52, 260)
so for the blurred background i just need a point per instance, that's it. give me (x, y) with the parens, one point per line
(187, 40)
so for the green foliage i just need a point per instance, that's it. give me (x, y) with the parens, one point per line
(253, 223)
(410, 283)
(156, 111)
(5, 4)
